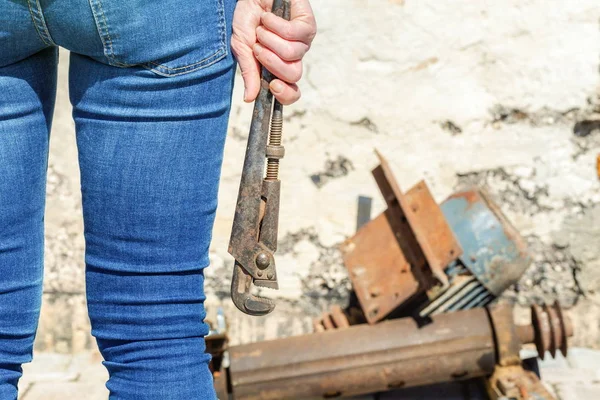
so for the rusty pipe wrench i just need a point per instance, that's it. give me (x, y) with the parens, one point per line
(254, 232)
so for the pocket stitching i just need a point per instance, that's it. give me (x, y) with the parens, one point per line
(218, 55)
(158, 68)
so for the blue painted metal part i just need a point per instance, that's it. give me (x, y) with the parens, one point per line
(493, 250)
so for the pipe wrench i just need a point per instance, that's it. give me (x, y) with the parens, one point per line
(254, 233)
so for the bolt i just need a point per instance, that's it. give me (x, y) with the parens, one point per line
(262, 260)
(270, 275)
(259, 273)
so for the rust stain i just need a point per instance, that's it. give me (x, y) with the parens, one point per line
(471, 196)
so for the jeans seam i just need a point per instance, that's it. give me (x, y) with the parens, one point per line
(104, 33)
(39, 22)
(222, 24)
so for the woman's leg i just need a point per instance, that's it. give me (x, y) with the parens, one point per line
(150, 152)
(27, 93)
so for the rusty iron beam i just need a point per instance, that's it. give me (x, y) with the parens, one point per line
(367, 358)
(364, 359)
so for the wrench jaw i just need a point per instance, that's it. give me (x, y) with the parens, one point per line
(255, 262)
(241, 285)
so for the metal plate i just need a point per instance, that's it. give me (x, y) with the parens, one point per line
(380, 273)
(430, 228)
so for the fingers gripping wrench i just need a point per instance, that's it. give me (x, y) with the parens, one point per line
(254, 233)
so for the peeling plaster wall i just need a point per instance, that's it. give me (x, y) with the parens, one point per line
(497, 94)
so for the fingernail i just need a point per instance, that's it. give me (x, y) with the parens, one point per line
(277, 86)
(257, 48)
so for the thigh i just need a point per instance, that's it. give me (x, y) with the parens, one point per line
(150, 154)
(151, 120)
(26, 103)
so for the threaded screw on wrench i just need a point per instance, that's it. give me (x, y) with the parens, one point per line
(275, 151)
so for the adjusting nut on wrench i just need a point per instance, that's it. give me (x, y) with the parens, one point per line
(254, 233)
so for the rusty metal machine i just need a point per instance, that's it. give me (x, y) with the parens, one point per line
(419, 256)
(398, 353)
(254, 232)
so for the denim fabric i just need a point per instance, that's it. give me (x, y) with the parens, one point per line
(150, 84)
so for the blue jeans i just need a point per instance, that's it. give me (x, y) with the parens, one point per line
(150, 84)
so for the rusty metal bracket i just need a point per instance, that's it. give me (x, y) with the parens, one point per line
(378, 267)
(420, 257)
(402, 252)
(425, 218)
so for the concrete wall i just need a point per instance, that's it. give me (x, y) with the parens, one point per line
(456, 92)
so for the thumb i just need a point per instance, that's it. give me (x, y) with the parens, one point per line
(249, 68)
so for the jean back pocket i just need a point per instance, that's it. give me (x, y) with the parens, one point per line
(169, 37)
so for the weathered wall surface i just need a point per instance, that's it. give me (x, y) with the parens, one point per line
(497, 94)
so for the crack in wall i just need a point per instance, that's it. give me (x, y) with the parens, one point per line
(585, 121)
(366, 123)
(451, 126)
(334, 168)
(502, 114)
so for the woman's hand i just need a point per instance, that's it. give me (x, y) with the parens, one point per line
(260, 37)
